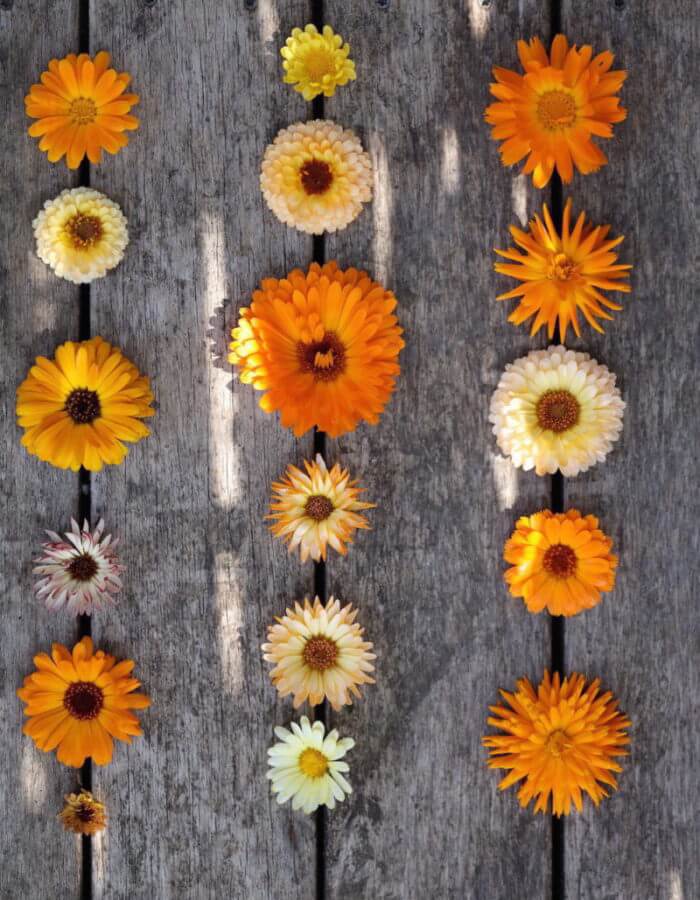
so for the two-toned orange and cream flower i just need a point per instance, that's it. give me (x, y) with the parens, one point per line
(316, 62)
(549, 114)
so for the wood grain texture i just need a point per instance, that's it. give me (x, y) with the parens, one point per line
(192, 815)
(37, 312)
(643, 639)
(425, 819)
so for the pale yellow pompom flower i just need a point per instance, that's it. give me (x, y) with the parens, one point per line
(316, 63)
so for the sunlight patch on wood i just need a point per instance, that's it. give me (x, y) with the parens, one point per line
(450, 160)
(227, 607)
(268, 20)
(382, 208)
(519, 196)
(505, 480)
(478, 18)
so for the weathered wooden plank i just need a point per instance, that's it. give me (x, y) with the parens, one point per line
(425, 818)
(642, 640)
(192, 812)
(38, 312)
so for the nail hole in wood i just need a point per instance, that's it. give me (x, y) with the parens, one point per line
(619, 4)
(485, 3)
(250, 4)
(6, 4)
(383, 4)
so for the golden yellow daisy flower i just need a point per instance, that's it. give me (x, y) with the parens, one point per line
(316, 63)
(323, 345)
(316, 510)
(561, 275)
(78, 408)
(319, 653)
(315, 176)
(83, 814)
(561, 742)
(549, 113)
(560, 561)
(78, 701)
(82, 108)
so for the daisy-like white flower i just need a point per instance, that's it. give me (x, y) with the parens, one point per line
(81, 235)
(80, 574)
(319, 653)
(556, 409)
(307, 766)
(315, 510)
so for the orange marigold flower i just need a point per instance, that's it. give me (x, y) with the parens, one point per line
(83, 814)
(78, 701)
(560, 742)
(560, 561)
(323, 345)
(561, 275)
(550, 113)
(82, 109)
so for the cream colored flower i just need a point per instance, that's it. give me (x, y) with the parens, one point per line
(81, 235)
(316, 176)
(556, 409)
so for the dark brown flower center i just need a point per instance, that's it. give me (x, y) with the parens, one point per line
(83, 406)
(318, 507)
(85, 813)
(559, 560)
(557, 411)
(83, 700)
(320, 653)
(316, 176)
(325, 359)
(82, 568)
(556, 110)
(84, 231)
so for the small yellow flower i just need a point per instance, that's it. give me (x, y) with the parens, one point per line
(316, 63)
(83, 814)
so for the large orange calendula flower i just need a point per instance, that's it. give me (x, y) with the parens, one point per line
(561, 742)
(323, 345)
(550, 113)
(560, 562)
(82, 109)
(561, 275)
(78, 701)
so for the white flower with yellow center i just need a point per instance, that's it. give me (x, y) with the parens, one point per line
(316, 176)
(307, 766)
(81, 235)
(556, 409)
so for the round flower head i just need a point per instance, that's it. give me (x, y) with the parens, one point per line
(319, 654)
(316, 510)
(307, 766)
(81, 573)
(560, 742)
(560, 561)
(556, 409)
(324, 346)
(561, 276)
(550, 113)
(316, 176)
(77, 408)
(82, 108)
(77, 702)
(316, 63)
(83, 814)
(80, 235)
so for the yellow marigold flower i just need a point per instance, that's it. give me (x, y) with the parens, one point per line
(81, 234)
(82, 108)
(560, 561)
(561, 742)
(319, 653)
(316, 176)
(323, 345)
(316, 510)
(77, 408)
(561, 275)
(78, 701)
(549, 113)
(316, 63)
(83, 814)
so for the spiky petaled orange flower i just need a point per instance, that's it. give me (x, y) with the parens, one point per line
(560, 561)
(82, 109)
(83, 814)
(561, 742)
(316, 510)
(563, 274)
(78, 701)
(323, 345)
(550, 113)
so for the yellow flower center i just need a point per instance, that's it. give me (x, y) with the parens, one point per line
(320, 653)
(316, 176)
(556, 110)
(318, 507)
(83, 700)
(313, 763)
(556, 743)
(82, 568)
(560, 267)
(84, 231)
(83, 111)
(325, 359)
(557, 411)
(560, 561)
(83, 406)
(318, 63)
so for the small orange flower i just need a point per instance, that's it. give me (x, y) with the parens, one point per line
(83, 814)
(82, 109)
